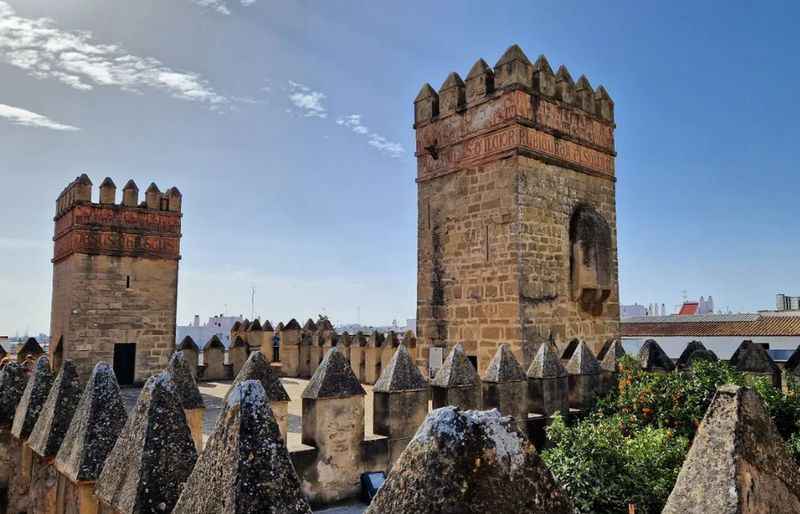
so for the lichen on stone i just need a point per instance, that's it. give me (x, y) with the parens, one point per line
(94, 428)
(583, 361)
(54, 420)
(546, 363)
(257, 368)
(33, 399)
(456, 371)
(738, 462)
(185, 384)
(245, 467)
(469, 462)
(12, 384)
(333, 378)
(153, 455)
(504, 367)
(401, 374)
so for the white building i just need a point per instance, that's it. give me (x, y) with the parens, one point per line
(219, 326)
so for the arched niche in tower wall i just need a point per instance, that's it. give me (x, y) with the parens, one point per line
(590, 258)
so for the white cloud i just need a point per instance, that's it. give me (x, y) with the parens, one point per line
(353, 122)
(39, 47)
(31, 119)
(309, 102)
(221, 6)
(384, 145)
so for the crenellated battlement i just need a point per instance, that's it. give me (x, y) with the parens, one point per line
(151, 228)
(79, 192)
(512, 71)
(517, 107)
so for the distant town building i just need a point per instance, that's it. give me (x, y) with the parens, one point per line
(721, 333)
(787, 303)
(219, 326)
(697, 308)
(638, 311)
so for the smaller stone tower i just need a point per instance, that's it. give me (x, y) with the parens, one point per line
(115, 278)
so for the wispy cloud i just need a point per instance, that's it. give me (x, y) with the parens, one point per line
(221, 6)
(353, 122)
(39, 47)
(25, 118)
(309, 102)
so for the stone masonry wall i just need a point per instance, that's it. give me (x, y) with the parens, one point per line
(505, 157)
(115, 275)
(94, 309)
(548, 195)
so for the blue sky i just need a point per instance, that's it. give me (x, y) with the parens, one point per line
(287, 126)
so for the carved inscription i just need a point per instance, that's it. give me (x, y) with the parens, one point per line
(94, 229)
(489, 115)
(116, 243)
(574, 123)
(490, 128)
(511, 138)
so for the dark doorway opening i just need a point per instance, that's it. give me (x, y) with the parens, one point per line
(125, 362)
(276, 348)
(474, 360)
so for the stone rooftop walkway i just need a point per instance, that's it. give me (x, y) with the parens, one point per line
(214, 392)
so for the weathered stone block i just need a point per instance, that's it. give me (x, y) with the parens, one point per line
(738, 462)
(333, 423)
(505, 386)
(258, 368)
(191, 352)
(400, 401)
(548, 383)
(469, 462)
(153, 456)
(584, 378)
(214, 360)
(753, 361)
(456, 383)
(653, 358)
(245, 467)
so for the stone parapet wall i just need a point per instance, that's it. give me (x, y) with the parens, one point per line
(336, 449)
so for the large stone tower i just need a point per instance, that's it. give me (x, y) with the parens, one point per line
(517, 212)
(115, 278)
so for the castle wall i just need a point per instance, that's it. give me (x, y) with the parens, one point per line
(467, 285)
(516, 210)
(115, 276)
(548, 196)
(93, 309)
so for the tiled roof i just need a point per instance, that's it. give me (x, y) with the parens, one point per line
(672, 318)
(688, 309)
(712, 325)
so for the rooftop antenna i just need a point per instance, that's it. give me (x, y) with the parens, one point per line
(252, 302)
(685, 295)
